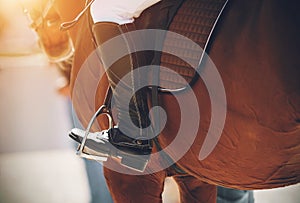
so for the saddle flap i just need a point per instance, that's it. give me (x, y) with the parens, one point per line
(196, 21)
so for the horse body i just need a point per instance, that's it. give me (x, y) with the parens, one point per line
(255, 48)
(259, 146)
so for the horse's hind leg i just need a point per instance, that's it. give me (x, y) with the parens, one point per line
(193, 190)
(135, 188)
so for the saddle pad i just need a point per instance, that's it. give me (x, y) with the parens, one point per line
(195, 20)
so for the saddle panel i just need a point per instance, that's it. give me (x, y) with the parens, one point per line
(194, 20)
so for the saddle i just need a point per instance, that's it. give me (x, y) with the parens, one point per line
(192, 19)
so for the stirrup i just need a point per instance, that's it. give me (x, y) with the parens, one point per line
(97, 146)
(101, 157)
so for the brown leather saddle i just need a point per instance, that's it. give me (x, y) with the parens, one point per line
(192, 19)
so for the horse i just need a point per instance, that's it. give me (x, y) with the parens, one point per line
(255, 48)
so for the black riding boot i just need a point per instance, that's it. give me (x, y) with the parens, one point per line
(132, 136)
(131, 124)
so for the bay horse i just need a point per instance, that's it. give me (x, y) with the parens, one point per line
(255, 47)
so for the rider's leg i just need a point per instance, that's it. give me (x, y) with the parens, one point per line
(130, 124)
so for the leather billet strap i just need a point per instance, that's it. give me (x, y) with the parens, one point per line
(166, 9)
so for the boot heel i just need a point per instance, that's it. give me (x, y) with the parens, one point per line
(135, 162)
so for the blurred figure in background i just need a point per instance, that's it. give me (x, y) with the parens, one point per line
(227, 195)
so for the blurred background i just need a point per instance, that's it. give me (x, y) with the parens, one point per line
(37, 159)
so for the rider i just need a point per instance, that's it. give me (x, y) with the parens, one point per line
(111, 19)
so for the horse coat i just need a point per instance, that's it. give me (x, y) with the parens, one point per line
(255, 47)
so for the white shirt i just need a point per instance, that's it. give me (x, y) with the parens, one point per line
(119, 11)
